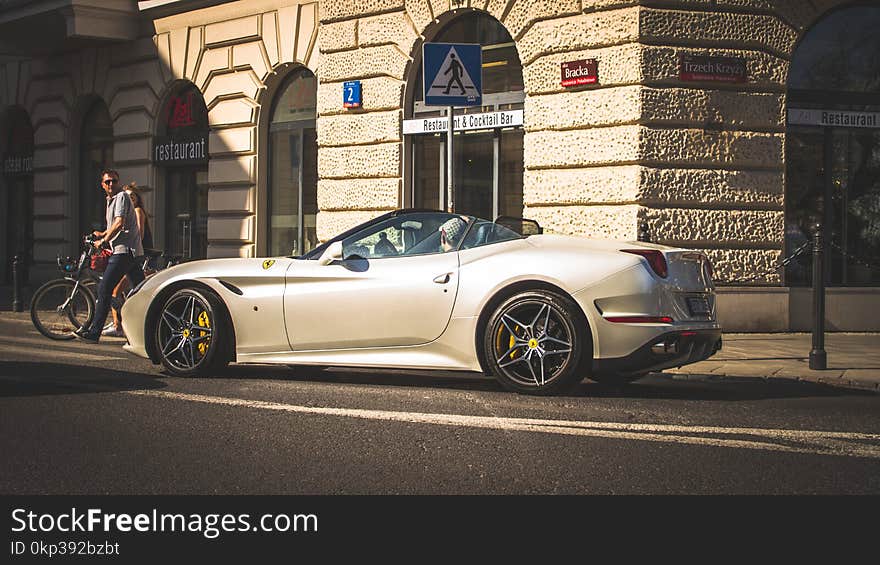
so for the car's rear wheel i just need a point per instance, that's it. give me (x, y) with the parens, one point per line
(534, 342)
(192, 333)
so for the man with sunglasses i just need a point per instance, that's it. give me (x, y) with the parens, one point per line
(125, 240)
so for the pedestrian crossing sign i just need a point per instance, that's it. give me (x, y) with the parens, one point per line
(453, 74)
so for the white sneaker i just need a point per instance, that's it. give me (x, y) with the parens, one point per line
(112, 331)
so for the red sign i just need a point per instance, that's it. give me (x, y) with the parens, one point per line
(180, 111)
(712, 69)
(576, 73)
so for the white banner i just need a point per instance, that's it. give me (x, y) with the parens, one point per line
(839, 118)
(487, 120)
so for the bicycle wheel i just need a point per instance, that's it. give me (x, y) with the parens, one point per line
(57, 311)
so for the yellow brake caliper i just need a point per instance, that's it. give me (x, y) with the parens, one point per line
(204, 322)
(512, 341)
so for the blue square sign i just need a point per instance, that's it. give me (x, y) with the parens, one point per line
(351, 94)
(453, 74)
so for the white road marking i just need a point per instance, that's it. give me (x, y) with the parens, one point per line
(56, 353)
(849, 444)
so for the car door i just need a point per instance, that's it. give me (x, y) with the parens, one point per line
(370, 301)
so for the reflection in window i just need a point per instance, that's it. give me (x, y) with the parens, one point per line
(293, 167)
(833, 173)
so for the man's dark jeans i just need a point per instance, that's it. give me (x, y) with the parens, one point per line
(120, 265)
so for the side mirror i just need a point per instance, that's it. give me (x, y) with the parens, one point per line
(331, 254)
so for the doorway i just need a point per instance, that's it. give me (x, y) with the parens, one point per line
(186, 212)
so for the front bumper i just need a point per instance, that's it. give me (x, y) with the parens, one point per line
(670, 349)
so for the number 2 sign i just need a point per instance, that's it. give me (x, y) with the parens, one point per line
(351, 94)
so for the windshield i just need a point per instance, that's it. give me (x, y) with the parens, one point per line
(416, 233)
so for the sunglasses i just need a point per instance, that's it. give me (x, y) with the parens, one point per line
(111, 181)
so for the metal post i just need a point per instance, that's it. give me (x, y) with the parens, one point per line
(644, 234)
(818, 357)
(16, 285)
(450, 194)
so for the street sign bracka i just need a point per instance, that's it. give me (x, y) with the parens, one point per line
(706, 68)
(582, 71)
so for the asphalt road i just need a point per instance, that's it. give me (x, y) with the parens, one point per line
(81, 419)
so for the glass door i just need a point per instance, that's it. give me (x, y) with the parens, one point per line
(855, 206)
(488, 171)
(474, 170)
(186, 225)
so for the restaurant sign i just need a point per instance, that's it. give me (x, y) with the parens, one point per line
(17, 165)
(582, 71)
(184, 138)
(464, 122)
(838, 118)
(712, 69)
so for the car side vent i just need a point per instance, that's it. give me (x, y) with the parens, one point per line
(231, 287)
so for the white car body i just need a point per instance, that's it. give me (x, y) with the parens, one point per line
(424, 311)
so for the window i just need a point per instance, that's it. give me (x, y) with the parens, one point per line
(17, 171)
(96, 153)
(181, 151)
(832, 169)
(487, 163)
(293, 167)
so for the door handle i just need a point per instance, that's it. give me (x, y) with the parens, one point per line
(442, 279)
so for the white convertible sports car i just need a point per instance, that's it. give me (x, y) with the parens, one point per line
(432, 290)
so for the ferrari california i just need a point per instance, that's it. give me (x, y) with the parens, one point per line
(423, 289)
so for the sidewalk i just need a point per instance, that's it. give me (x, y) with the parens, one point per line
(853, 359)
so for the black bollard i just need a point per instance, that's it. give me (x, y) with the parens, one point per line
(644, 234)
(818, 357)
(16, 285)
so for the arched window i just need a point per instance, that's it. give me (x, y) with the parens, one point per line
(488, 163)
(96, 153)
(833, 146)
(181, 152)
(293, 166)
(18, 177)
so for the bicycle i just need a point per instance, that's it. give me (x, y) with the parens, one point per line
(62, 306)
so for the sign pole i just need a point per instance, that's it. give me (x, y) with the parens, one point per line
(450, 193)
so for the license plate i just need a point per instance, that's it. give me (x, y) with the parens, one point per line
(698, 305)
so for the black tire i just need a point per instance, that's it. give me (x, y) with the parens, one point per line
(617, 379)
(534, 341)
(56, 312)
(193, 336)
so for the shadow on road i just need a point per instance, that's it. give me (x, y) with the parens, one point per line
(653, 386)
(28, 378)
(716, 388)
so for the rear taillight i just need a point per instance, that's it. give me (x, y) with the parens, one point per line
(655, 259)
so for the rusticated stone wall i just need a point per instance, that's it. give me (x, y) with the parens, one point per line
(360, 151)
(701, 163)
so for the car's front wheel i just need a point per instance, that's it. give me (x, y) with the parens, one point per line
(192, 333)
(534, 343)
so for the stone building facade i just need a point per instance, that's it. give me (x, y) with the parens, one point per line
(694, 163)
